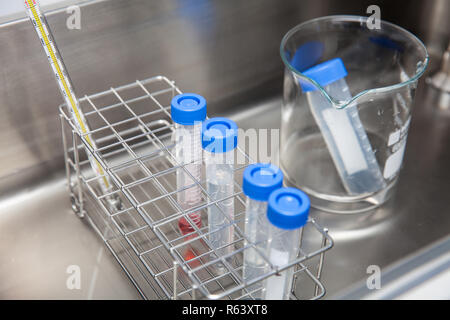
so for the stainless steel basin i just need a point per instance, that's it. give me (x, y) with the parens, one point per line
(40, 237)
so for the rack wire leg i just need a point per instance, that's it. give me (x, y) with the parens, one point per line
(321, 260)
(80, 211)
(175, 279)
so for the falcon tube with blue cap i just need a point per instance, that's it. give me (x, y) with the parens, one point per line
(342, 130)
(188, 111)
(219, 141)
(258, 182)
(287, 213)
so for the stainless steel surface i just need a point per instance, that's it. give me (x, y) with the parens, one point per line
(417, 216)
(137, 152)
(423, 275)
(229, 54)
(40, 238)
(440, 80)
(432, 18)
(419, 213)
(118, 43)
(227, 51)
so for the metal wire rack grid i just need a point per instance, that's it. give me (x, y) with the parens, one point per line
(131, 125)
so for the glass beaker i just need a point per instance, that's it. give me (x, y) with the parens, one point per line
(344, 129)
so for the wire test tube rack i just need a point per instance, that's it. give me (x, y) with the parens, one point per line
(138, 219)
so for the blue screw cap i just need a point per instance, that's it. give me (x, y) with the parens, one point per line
(288, 208)
(188, 108)
(324, 73)
(260, 180)
(219, 135)
(307, 55)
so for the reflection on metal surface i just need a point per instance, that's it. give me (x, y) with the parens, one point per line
(440, 80)
(41, 237)
(424, 275)
(229, 55)
(416, 216)
(418, 213)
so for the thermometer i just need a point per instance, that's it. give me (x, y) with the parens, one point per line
(65, 85)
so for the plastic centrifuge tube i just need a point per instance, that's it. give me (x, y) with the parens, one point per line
(188, 111)
(287, 213)
(342, 129)
(258, 182)
(219, 140)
